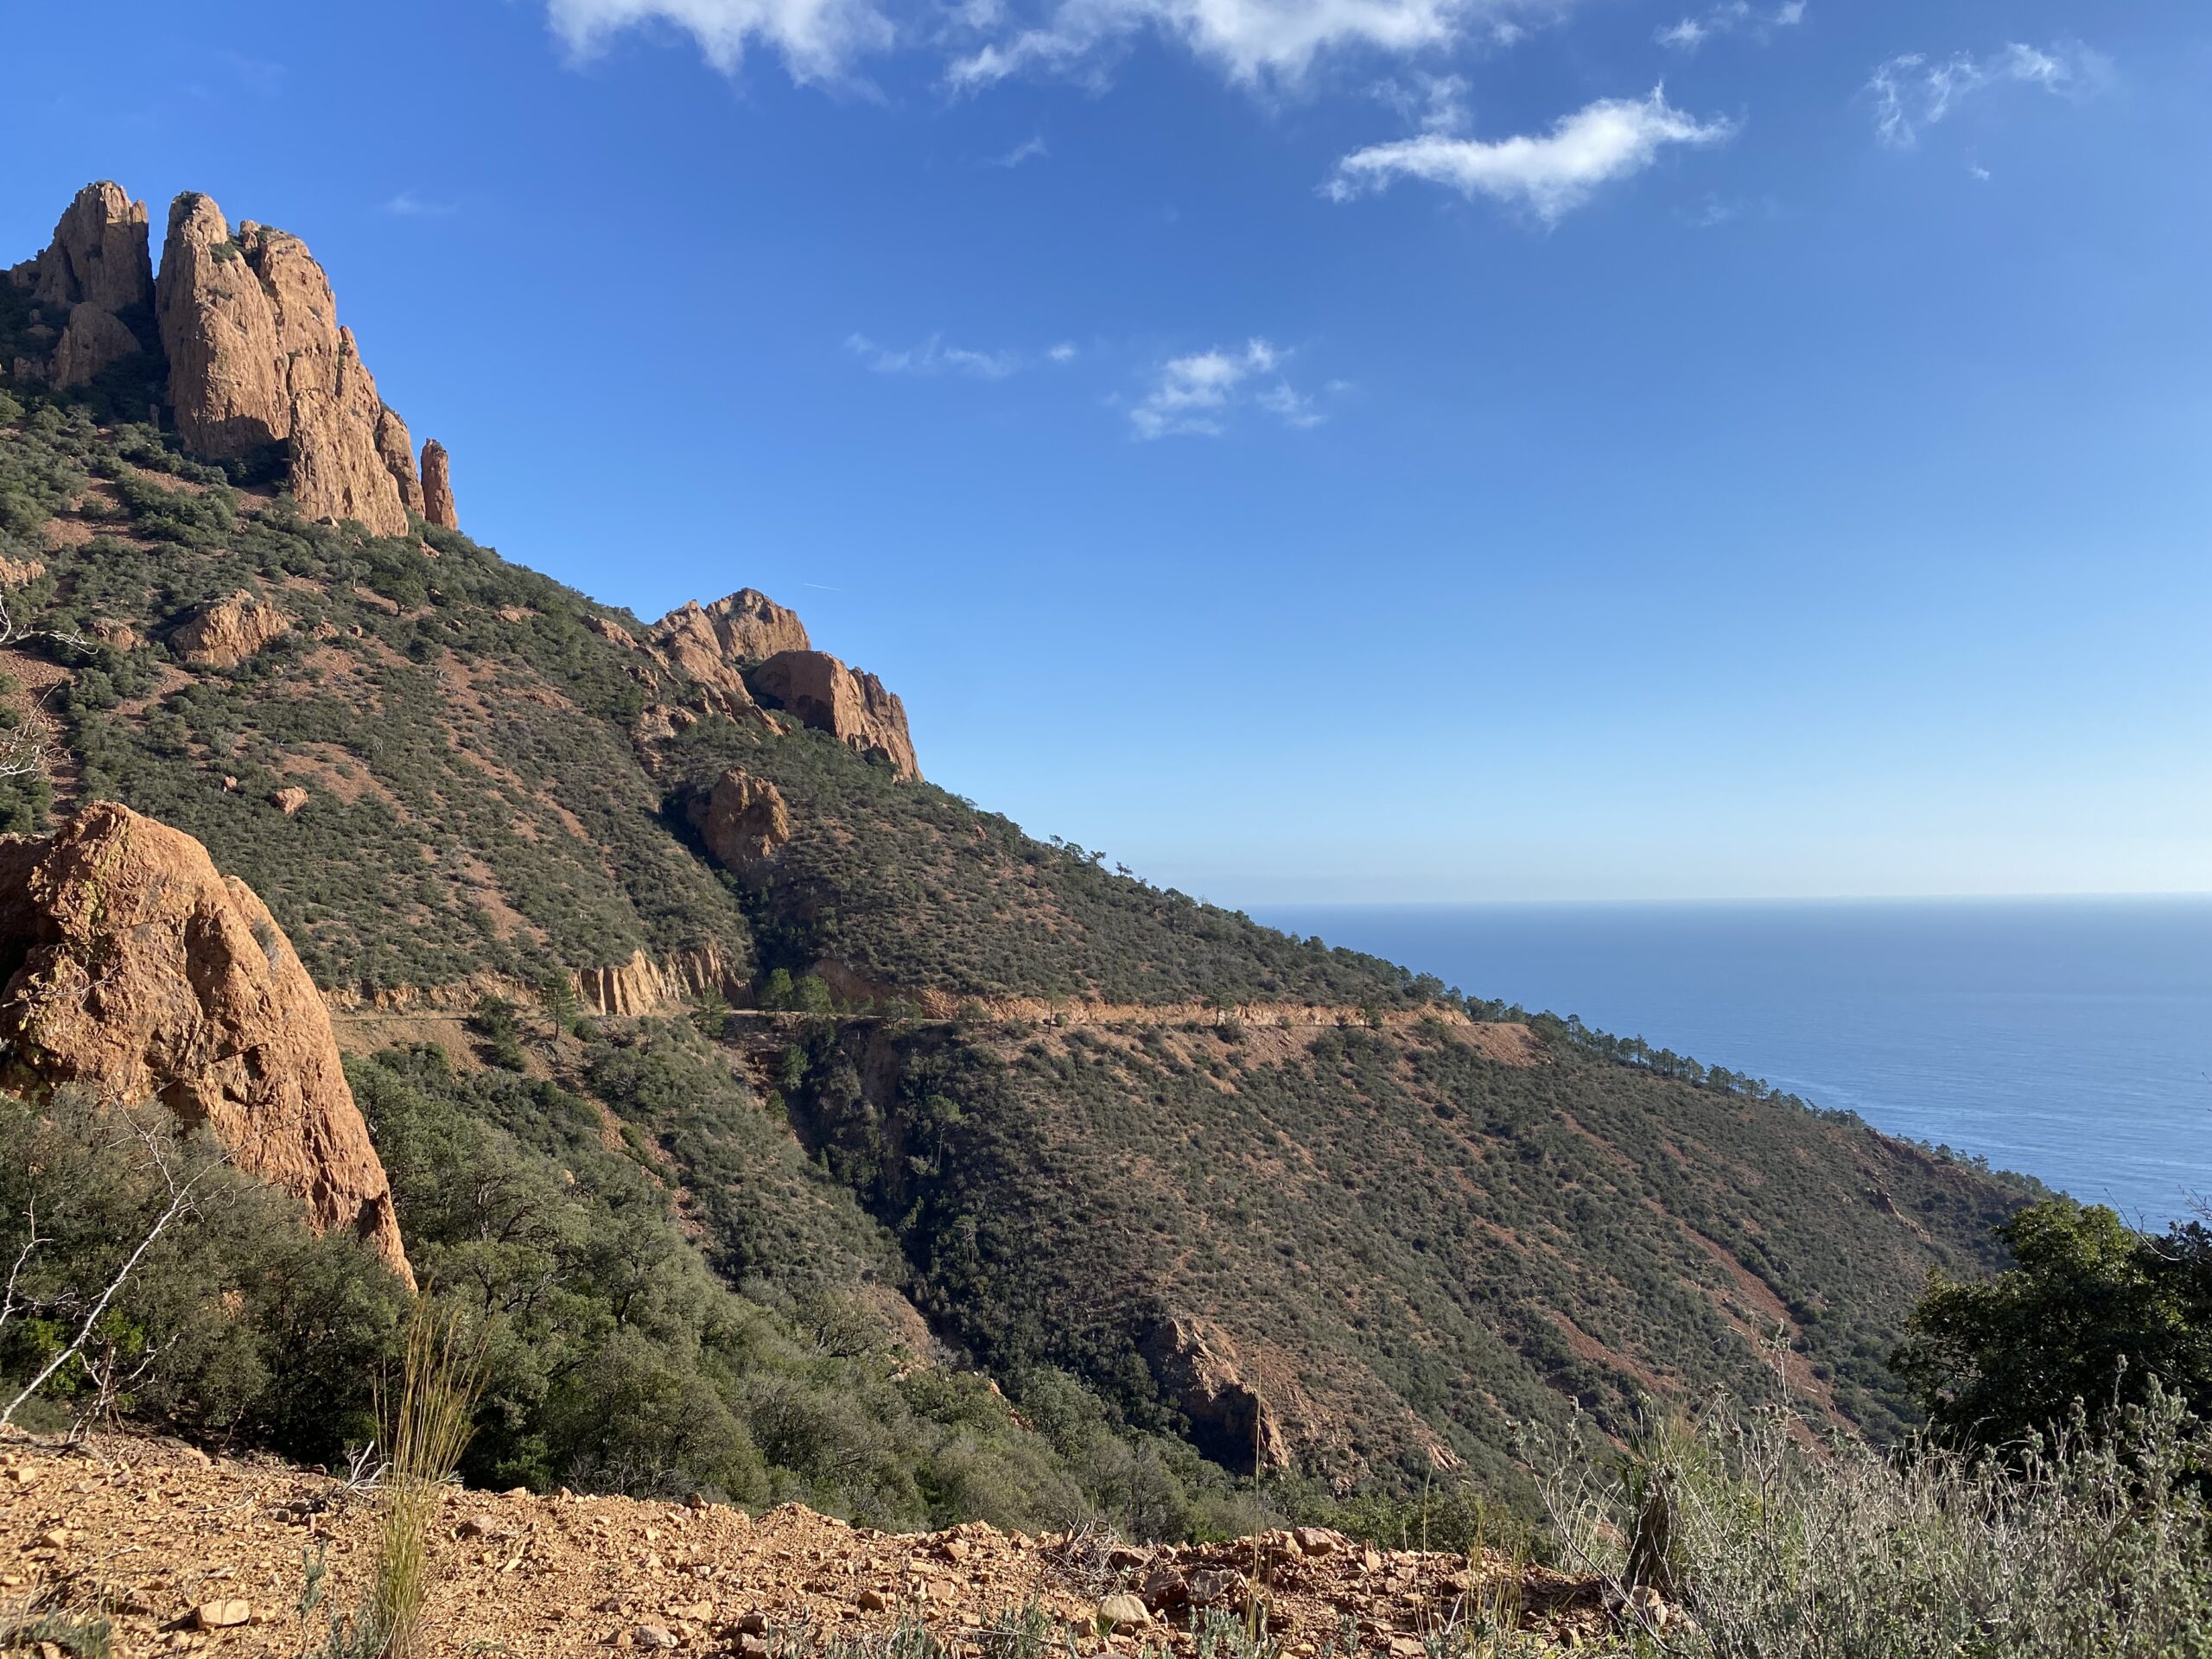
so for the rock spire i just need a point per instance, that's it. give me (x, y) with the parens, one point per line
(257, 357)
(437, 486)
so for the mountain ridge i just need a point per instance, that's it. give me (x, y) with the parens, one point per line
(1228, 1180)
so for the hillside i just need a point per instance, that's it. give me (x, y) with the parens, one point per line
(1288, 1204)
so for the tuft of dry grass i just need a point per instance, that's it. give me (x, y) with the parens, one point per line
(428, 1425)
(429, 1414)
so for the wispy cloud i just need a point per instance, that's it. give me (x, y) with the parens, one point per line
(1029, 149)
(1194, 396)
(989, 41)
(1551, 174)
(1731, 17)
(1914, 91)
(1064, 352)
(1251, 41)
(932, 356)
(818, 39)
(408, 205)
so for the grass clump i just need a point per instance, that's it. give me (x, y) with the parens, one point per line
(1767, 1542)
(440, 1377)
(430, 1414)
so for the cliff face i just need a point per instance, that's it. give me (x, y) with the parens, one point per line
(143, 973)
(257, 357)
(852, 707)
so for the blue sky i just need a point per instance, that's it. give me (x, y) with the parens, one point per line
(1315, 449)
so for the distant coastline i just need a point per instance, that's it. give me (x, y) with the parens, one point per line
(2069, 1039)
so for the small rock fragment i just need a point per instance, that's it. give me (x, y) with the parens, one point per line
(221, 1615)
(654, 1636)
(1124, 1610)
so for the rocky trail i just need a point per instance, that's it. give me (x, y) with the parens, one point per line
(181, 1553)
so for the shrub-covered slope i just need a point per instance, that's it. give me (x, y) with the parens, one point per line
(1367, 1249)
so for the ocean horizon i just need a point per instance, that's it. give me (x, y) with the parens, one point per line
(2067, 1039)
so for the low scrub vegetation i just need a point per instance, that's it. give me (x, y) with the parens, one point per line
(1766, 1541)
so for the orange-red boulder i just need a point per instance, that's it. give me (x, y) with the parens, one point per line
(145, 974)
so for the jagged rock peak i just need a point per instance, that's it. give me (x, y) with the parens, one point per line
(145, 974)
(96, 268)
(437, 486)
(753, 626)
(227, 371)
(257, 357)
(99, 254)
(852, 707)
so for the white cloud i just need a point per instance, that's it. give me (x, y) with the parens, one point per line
(819, 40)
(1063, 352)
(1729, 17)
(1914, 91)
(1194, 394)
(1550, 174)
(933, 356)
(1029, 149)
(1251, 39)
(989, 41)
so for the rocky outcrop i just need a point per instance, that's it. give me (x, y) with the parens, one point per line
(437, 486)
(337, 471)
(742, 820)
(96, 268)
(852, 707)
(99, 256)
(642, 986)
(1196, 1366)
(257, 357)
(396, 447)
(745, 628)
(254, 351)
(92, 340)
(225, 633)
(144, 974)
(227, 379)
(685, 640)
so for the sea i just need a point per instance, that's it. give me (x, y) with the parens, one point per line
(2067, 1039)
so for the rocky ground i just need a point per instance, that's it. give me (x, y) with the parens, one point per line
(178, 1553)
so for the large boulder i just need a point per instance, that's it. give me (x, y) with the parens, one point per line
(144, 974)
(225, 632)
(852, 707)
(742, 820)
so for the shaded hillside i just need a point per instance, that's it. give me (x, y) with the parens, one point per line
(1405, 1244)
(1361, 1244)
